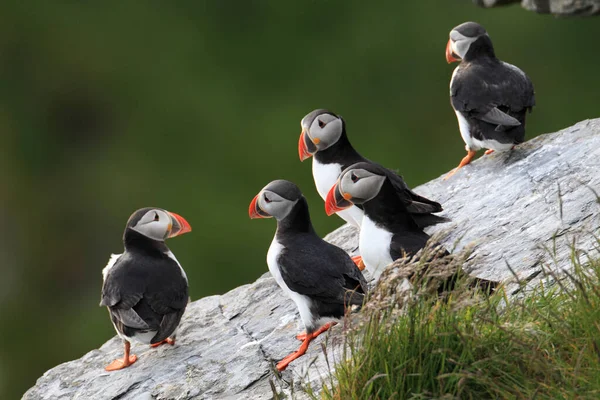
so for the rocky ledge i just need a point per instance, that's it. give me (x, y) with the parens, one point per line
(521, 210)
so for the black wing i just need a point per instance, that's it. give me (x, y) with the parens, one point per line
(420, 208)
(498, 94)
(414, 203)
(322, 271)
(146, 293)
(407, 243)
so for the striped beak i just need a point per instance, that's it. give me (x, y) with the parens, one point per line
(337, 201)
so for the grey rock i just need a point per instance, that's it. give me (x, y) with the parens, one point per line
(525, 208)
(556, 7)
(522, 209)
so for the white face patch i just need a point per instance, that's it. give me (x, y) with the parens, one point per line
(325, 131)
(361, 184)
(460, 43)
(275, 205)
(155, 224)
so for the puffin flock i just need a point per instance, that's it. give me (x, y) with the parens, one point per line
(146, 290)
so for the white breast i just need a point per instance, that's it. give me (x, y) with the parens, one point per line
(325, 176)
(374, 244)
(302, 302)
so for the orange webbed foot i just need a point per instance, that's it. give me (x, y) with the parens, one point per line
(166, 341)
(465, 161)
(281, 365)
(324, 328)
(488, 152)
(359, 262)
(302, 335)
(124, 362)
(121, 363)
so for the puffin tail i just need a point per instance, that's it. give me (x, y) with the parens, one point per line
(425, 220)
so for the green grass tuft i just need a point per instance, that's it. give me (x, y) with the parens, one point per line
(544, 346)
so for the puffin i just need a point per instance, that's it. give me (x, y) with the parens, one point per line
(145, 288)
(324, 137)
(319, 277)
(490, 97)
(388, 229)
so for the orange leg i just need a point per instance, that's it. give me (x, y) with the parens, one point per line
(488, 152)
(281, 365)
(122, 363)
(466, 160)
(302, 336)
(166, 341)
(359, 262)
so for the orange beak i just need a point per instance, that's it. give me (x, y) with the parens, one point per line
(303, 151)
(335, 201)
(449, 55)
(254, 210)
(179, 225)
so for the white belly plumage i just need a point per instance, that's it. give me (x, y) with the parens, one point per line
(325, 176)
(374, 244)
(141, 337)
(302, 302)
(474, 144)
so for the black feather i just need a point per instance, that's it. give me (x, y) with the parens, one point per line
(149, 283)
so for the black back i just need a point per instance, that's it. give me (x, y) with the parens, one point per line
(484, 82)
(149, 283)
(314, 268)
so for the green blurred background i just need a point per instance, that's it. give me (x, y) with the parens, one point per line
(194, 106)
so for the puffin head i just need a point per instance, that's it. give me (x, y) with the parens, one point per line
(275, 200)
(466, 41)
(157, 224)
(357, 184)
(320, 129)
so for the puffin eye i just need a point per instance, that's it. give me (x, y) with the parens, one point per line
(322, 124)
(267, 199)
(156, 218)
(354, 178)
